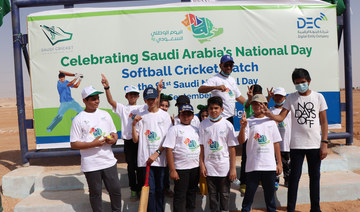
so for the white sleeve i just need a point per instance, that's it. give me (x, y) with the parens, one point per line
(247, 132)
(75, 132)
(210, 82)
(322, 101)
(201, 135)
(170, 138)
(119, 109)
(112, 125)
(276, 137)
(232, 140)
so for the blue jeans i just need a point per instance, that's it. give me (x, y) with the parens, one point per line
(156, 184)
(252, 182)
(314, 162)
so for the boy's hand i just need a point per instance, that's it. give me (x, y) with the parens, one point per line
(265, 110)
(232, 174)
(250, 93)
(110, 139)
(104, 81)
(136, 120)
(174, 175)
(243, 121)
(323, 150)
(98, 142)
(152, 158)
(203, 171)
(222, 88)
(279, 169)
(160, 86)
(270, 92)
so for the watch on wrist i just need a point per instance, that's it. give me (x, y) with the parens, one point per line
(325, 141)
(158, 151)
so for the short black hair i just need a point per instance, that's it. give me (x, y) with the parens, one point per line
(257, 89)
(61, 75)
(215, 100)
(299, 73)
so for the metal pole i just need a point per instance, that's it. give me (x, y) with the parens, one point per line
(348, 74)
(15, 15)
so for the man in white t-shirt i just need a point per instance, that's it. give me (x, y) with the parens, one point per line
(223, 85)
(309, 134)
(93, 132)
(263, 137)
(182, 153)
(149, 129)
(279, 97)
(217, 155)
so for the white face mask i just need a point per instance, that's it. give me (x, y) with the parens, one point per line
(302, 87)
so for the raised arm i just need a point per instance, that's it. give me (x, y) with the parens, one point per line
(207, 89)
(278, 118)
(243, 123)
(135, 135)
(106, 85)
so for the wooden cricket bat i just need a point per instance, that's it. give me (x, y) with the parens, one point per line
(67, 73)
(145, 192)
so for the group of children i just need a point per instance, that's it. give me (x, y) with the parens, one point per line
(191, 148)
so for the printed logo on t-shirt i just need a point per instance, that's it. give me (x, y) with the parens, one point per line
(231, 94)
(151, 136)
(191, 144)
(281, 124)
(305, 113)
(214, 146)
(261, 139)
(96, 132)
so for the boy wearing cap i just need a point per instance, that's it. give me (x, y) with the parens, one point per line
(126, 114)
(263, 139)
(93, 132)
(217, 155)
(185, 100)
(182, 153)
(149, 129)
(279, 97)
(223, 85)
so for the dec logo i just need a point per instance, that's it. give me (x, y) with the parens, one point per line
(311, 22)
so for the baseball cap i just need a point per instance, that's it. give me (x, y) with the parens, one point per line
(280, 91)
(129, 89)
(89, 91)
(182, 100)
(259, 98)
(150, 93)
(226, 58)
(186, 107)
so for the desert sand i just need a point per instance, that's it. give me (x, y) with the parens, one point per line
(10, 156)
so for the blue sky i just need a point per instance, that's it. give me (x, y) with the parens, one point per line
(7, 79)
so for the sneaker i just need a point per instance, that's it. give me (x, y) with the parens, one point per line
(276, 186)
(242, 188)
(133, 196)
(168, 192)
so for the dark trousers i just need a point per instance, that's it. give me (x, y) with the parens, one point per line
(166, 178)
(285, 159)
(131, 149)
(185, 190)
(112, 184)
(267, 179)
(156, 184)
(243, 164)
(314, 162)
(219, 192)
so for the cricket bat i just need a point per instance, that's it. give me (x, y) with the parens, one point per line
(67, 73)
(145, 192)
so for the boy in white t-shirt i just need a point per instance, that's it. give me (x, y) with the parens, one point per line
(217, 155)
(279, 97)
(149, 129)
(182, 153)
(308, 120)
(262, 145)
(185, 100)
(93, 132)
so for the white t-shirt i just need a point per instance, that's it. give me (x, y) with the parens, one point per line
(152, 129)
(261, 133)
(184, 140)
(195, 122)
(284, 129)
(217, 137)
(305, 121)
(85, 128)
(125, 112)
(229, 96)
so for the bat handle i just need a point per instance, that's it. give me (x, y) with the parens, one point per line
(147, 175)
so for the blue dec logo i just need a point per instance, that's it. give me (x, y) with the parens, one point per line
(311, 22)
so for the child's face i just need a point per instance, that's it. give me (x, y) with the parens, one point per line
(164, 105)
(204, 115)
(279, 98)
(215, 110)
(151, 103)
(186, 117)
(62, 79)
(132, 97)
(92, 102)
(256, 106)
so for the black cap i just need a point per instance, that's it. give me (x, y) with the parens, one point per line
(182, 100)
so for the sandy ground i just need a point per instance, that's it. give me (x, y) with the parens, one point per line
(10, 155)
